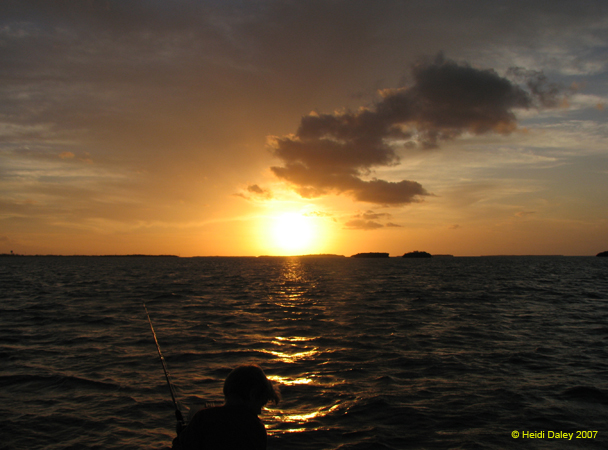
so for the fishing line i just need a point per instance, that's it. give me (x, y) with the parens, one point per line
(178, 413)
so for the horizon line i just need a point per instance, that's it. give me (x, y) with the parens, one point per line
(320, 255)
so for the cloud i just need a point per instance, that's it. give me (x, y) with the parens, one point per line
(371, 215)
(255, 189)
(256, 192)
(359, 224)
(545, 92)
(332, 153)
(318, 214)
(369, 221)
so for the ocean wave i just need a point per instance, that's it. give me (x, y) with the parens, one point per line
(55, 382)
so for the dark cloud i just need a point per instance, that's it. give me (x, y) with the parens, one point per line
(328, 167)
(333, 152)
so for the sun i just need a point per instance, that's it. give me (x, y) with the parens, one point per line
(293, 233)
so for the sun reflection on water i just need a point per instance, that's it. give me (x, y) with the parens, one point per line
(299, 422)
(294, 293)
(292, 343)
(290, 381)
(292, 338)
(292, 357)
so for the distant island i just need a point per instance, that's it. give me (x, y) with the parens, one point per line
(322, 255)
(370, 255)
(317, 255)
(88, 256)
(417, 254)
(603, 253)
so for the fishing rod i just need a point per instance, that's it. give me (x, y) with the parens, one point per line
(178, 413)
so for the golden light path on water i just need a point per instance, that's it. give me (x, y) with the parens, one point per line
(287, 357)
(306, 379)
(300, 419)
(290, 381)
(294, 349)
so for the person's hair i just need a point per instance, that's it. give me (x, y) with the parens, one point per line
(249, 381)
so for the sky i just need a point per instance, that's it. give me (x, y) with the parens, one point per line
(240, 128)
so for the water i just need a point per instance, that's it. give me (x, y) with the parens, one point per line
(369, 354)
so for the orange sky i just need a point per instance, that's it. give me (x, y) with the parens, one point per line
(289, 127)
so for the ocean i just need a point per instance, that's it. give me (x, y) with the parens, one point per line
(439, 353)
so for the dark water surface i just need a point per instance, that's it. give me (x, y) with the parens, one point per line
(369, 354)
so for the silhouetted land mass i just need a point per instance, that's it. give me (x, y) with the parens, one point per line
(603, 253)
(417, 254)
(519, 256)
(317, 255)
(322, 255)
(88, 256)
(141, 256)
(370, 255)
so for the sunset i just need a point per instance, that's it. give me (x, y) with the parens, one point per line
(303, 224)
(190, 128)
(294, 232)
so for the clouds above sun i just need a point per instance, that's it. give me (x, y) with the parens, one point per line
(332, 153)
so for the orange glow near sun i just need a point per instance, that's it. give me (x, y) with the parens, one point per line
(295, 233)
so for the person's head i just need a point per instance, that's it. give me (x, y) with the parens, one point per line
(248, 385)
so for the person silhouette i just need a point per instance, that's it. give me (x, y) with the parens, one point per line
(235, 425)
